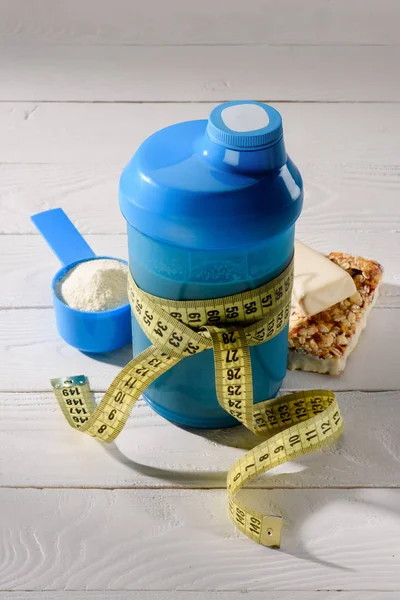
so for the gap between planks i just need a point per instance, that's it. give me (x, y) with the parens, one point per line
(50, 306)
(216, 101)
(208, 45)
(145, 594)
(283, 390)
(192, 487)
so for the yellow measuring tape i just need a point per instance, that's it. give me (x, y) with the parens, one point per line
(301, 422)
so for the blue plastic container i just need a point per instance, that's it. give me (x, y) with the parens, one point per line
(95, 332)
(211, 208)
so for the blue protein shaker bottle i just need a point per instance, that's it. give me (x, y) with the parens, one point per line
(211, 208)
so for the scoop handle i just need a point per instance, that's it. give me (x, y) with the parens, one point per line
(62, 236)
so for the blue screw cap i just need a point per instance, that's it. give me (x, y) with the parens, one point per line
(244, 125)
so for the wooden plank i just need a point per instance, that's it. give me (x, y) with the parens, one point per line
(183, 539)
(75, 134)
(28, 266)
(152, 452)
(90, 194)
(31, 352)
(177, 22)
(348, 169)
(185, 595)
(341, 138)
(176, 73)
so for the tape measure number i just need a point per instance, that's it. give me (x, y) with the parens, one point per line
(300, 422)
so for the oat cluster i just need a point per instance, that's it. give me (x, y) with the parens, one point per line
(327, 334)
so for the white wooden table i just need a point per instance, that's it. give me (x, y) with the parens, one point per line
(81, 85)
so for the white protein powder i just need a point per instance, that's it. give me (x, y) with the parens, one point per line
(95, 285)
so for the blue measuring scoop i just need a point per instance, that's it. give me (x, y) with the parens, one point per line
(96, 332)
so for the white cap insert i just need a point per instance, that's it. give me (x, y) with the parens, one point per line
(245, 117)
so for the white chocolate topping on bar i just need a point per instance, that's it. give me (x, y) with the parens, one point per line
(318, 282)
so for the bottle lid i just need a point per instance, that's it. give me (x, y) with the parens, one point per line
(244, 125)
(183, 188)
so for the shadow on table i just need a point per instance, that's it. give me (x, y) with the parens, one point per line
(281, 502)
(236, 436)
(296, 516)
(217, 480)
(119, 358)
(240, 437)
(291, 537)
(388, 293)
(182, 478)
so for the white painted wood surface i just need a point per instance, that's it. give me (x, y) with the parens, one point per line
(180, 22)
(189, 459)
(183, 539)
(24, 333)
(81, 85)
(347, 154)
(368, 192)
(130, 73)
(338, 138)
(40, 265)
